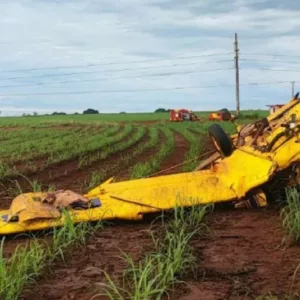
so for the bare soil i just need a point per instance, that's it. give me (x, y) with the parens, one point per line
(244, 258)
(241, 257)
(176, 157)
(83, 268)
(64, 175)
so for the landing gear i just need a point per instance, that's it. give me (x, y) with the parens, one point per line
(221, 140)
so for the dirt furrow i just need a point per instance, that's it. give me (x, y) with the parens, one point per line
(243, 258)
(143, 158)
(240, 258)
(176, 157)
(84, 267)
(74, 180)
(54, 174)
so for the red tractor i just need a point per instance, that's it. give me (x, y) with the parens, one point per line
(222, 115)
(180, 115)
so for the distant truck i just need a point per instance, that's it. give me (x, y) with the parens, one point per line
(180, 115)
(221, 115)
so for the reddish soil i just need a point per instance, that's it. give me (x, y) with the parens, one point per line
(239, 259)
(13, 128)
(176, 157)
(74, 178)
(147, 122)
(65, 175)
(84, 267)
(244, 258)
(167, 166)
(143, 158)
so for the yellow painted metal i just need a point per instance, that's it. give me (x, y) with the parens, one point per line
(131, 199)
(229, 178)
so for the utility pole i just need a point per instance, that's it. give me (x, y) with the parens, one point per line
(237, 80)
(293, 85)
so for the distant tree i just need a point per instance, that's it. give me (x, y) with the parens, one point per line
(159, 110)
(90, 111)
(35, 113)
(123, 112)
(58, 113)
(76, 113)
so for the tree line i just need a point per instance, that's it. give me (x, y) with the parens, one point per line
(89, 111)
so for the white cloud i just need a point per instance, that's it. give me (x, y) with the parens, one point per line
(51, 33)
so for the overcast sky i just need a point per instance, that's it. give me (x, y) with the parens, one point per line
(170, 41)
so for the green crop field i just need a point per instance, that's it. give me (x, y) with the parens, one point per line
(127, 117)
(78, 152)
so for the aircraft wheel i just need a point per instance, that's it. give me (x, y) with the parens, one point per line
(221, 140)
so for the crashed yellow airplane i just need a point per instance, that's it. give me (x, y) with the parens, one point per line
(237, 172)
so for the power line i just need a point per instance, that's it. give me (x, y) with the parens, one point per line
(273, 70)
(112, 78)
(270, 60)
(268, 54)
(140, 90)
(106, 71)
(112, 63)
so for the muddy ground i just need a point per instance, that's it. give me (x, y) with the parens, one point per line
(240, 258)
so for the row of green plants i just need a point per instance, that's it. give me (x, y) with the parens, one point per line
(29, 259)
(154, 276)
(7, 136)
(64, 149)
(229, 127)
(92, 143)
(157, 272)
(29, 149)
(143, 169)
(113, 148)
(53, 135)
(124, 160)
(196, 147)
(290, 216)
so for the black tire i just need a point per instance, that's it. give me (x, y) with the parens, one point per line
(226, 116)
(225, 113)
(221, 140)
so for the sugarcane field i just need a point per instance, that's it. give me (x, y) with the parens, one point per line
(150, 150)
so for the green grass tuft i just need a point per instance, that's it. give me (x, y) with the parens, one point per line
(291, 214)
(157, 273)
